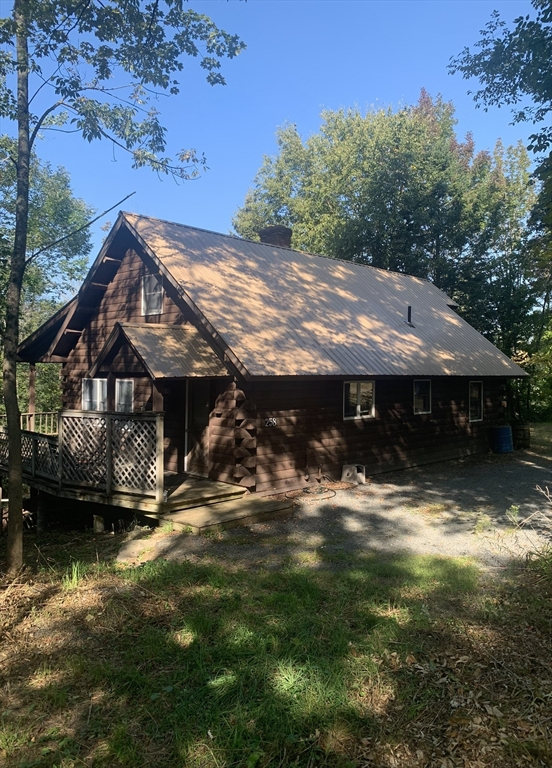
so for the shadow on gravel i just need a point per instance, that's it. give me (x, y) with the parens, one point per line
(455, 508)
(493, 482)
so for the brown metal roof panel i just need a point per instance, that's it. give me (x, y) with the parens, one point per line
(284, 312)
(173, 351)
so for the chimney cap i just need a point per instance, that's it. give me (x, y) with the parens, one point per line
(276, 234)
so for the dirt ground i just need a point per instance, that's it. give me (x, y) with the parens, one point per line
(487, 507)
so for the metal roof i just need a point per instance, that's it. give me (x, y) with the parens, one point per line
(171, 351)
(287, 313)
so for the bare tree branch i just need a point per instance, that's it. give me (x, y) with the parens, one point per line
(41, 120)
(45, 81)
(76, 231)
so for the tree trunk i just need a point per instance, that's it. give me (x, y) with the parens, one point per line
(14, 559)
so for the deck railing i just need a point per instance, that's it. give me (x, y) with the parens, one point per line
(109, 452)
(45, 422)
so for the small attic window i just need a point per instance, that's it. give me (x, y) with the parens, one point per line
(152, 295)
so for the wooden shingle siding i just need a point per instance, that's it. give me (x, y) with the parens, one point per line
(122, 302)
(233, 437)
(311, 438)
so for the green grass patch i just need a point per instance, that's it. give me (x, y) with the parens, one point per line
(541, 438)
(207, 665)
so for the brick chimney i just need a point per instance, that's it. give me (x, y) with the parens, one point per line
(276, 235)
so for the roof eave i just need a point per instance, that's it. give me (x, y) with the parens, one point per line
(24, 349)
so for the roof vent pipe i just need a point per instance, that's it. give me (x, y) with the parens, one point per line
(276, 235)
(408, 320)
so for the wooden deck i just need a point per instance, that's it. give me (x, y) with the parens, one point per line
(117, 461)
(182, 492)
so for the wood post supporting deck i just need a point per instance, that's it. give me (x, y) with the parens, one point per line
(40, 509)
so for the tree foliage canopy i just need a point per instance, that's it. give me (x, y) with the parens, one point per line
(513, 68)
(53, 212)
(50, 274)
(97, 65)
(399, 191)
(513, 65)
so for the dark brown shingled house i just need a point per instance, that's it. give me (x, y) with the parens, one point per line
(255, 365)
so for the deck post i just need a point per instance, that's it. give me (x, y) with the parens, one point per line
(159, 459)
(108, 454)
(40, 509)
(32, 397)
(60, 447)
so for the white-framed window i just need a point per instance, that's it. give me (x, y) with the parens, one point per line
(94, 394)
(152, 295)
(422, 396)
(476, 400)
(358, 399)
(124, 395)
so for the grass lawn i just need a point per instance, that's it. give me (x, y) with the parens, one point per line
(410, 661)
(541, 438)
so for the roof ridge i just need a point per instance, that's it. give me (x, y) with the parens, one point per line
(282, 247)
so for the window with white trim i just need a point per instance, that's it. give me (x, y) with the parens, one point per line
(124, 395)
(476, 400)
(152, 295)
(422, 396)
(358, 399)
(94, 394)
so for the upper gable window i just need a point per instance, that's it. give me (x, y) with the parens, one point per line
(358, 399)
(422, 396)
(152, 295)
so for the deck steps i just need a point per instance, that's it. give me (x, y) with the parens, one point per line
(196, 492)
(227, 514)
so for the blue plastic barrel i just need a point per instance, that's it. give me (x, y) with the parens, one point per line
(502, 439)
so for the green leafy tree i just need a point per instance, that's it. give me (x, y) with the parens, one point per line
(397, 190)
(513, 69)
(499, 280)
(513, 66)
(95, 65)
(387, 188)
(51, 272)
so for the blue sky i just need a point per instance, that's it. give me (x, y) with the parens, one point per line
(302, 56)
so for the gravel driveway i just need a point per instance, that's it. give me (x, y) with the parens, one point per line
(485, 506)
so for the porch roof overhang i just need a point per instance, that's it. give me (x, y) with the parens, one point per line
(165, 351)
